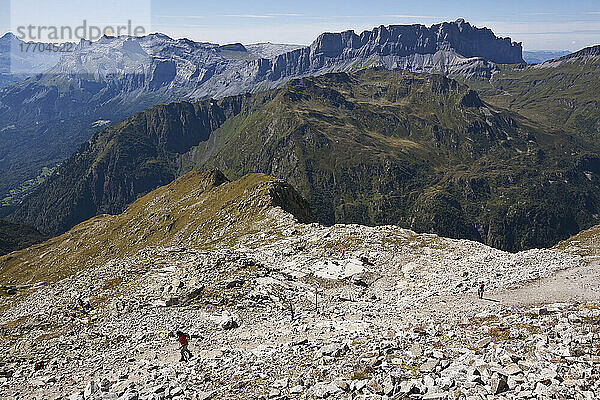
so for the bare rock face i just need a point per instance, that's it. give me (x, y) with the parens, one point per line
(444, 48)
(403, 40)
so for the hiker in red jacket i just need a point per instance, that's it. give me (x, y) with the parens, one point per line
(182, 338)
(480, 290)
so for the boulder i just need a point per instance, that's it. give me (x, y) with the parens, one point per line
(375, 386)
(322, 390)
(228, 321)
(334, 349)
(429, 365)
(498, 384)
(91, 389)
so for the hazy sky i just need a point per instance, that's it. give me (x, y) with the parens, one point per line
(539, 24)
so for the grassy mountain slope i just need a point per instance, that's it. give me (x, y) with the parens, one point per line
(123, 162)
(17, 236)
(419, 150)
(372, 147)
(45, 118)
(560, 94)
(198, 209)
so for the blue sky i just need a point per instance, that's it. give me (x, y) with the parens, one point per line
(547, 24)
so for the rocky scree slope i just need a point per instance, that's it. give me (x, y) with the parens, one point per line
(396, 313)
(373, 147)
(45, 118)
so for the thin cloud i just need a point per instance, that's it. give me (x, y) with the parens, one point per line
(287, 15)
(577, 32)
(411, 16)
(262, 16)
(247, 16)
(334, 17)
(170, 26)
(183, 16)
(541, 13)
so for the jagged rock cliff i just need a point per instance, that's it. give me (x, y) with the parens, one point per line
(450, 47)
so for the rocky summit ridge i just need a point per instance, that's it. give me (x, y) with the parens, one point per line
(199, 209)
(288, 310)
(592, 51)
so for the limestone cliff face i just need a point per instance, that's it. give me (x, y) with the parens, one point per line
(404, 40)
(396, 46)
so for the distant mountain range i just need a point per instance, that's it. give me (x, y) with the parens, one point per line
(539, 56)
(43, 119)
(19, 61)
(373, 147)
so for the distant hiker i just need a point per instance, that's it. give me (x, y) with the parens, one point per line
(182, 338)
(480, 290)
(39, 365)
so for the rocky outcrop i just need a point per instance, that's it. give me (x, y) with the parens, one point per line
(405, 40)
(198, 209)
